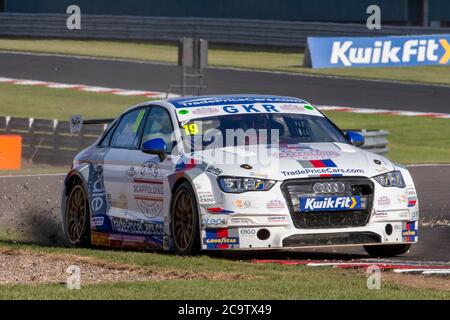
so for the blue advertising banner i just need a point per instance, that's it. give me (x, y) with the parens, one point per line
(390, 51)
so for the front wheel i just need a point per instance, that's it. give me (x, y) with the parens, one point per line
(388, 250)
(77, 218)
(184, 221)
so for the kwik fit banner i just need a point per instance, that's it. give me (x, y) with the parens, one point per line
(378, 51)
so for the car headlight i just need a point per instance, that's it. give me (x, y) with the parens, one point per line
(391, 179)
(239, 185)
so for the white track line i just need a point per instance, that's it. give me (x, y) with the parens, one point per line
(162, 95)
(428, 165)
(386, 112)
(86, 88)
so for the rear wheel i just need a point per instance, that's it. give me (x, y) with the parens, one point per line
(389, 250)
(184, 222)
(77, 218)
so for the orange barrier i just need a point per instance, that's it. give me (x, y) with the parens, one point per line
(10, 152)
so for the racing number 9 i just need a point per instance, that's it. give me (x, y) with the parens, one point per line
(191, 129)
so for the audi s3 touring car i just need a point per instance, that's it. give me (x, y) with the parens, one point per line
(238, 172)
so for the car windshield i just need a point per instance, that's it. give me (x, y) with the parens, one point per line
(264, 128)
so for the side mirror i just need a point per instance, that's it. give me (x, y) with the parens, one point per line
(155, 146)
(355, 138)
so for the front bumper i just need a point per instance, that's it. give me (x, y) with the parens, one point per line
(268, 220)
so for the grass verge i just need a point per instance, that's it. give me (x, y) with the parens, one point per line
(47, 103)
(265, 281)
(260, 58)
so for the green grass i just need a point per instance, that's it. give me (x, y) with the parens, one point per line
(261, 58)
(268, 281)
(46, 103)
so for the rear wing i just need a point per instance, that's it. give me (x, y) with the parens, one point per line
(76, 123)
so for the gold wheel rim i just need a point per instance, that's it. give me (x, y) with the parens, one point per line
(75, 216)
(183, 220)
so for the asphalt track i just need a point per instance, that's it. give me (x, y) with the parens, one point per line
(157, 77)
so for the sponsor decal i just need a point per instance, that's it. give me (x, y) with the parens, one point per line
(409, 231)
(221, 238)
(205, 197)
(323, 163)
(97, 221)
(217, 101)
(384, 201)
(247, 232)
(185, 163)
(100, 239)
(303, 152)
(380, 214)
(414, 215)
(131, 172)
(137, 227)
(240, 221)
(332, 203)
(379, 51)
(242, 204)
(219, 210)
(214, 221)
(295, 108)
(412, 197)
(135, 242)
(275, 204)
(95, 185)
(322, 172)
(402, 199)
(277, 219)
(205, 111)
(213, 170)
(148, 189)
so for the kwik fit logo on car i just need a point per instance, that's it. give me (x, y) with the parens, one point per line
(379, 51)
(332, 203)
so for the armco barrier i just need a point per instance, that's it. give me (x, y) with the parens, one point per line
(375, 141)
(50, 141)
(233, 31)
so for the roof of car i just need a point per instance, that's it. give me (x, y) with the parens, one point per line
(215, 100)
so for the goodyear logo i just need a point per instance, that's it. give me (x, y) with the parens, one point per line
(332, 203)
(380, 51)
(223, 241)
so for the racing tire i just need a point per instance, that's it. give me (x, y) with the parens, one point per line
(76, 219)
(185, 221)
(389, 250)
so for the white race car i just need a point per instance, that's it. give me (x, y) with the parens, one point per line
(233, 173)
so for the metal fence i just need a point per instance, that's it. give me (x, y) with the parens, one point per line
(232, 31)
(49, 141)
(375, 141)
